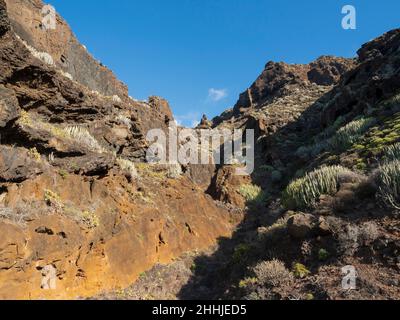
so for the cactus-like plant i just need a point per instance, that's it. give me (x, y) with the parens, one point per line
(305, 192)
(388, 181)
(83, 136)
(346, 136)
(392, 152)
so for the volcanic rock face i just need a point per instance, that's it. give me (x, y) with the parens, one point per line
(375, 79)
(66, 52)
(72, 197)
(279, 79)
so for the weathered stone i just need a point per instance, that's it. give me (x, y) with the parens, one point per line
(301, 225)
(226, 185)
(323, 228)
(162, 106)
(17, 165)
(9, 108)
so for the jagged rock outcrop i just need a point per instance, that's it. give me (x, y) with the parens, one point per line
(375, 79)
(279, 79)
(48, 96)
(204, 123)
(18, 165)
(162, 106)
(66, 52)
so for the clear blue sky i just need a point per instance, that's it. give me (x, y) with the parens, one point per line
(181, 49)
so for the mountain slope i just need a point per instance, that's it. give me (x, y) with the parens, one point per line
(327, 165)
(324, 193)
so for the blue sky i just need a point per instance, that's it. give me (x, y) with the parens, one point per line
(201, 54)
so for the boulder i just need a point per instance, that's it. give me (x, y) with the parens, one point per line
(18, 164)
(301, 225)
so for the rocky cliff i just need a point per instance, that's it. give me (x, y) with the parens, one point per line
(72, 198)
(66, 53)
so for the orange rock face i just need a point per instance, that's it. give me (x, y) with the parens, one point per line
(132, 231)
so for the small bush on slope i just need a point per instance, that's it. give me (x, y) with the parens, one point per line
(128, 167)
(341, 140)
(391, 103)
(305, 192)
(350, 133)
(83, 136)
(379, 137)
(392, 152)
(272, 273)
(77, 134)
(388, 181)
(252, 193)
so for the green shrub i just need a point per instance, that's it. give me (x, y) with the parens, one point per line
(33, 153)
(63, 174)
(388, 182)
(350, 133)
(392, 152)
(90, 219)
(252, 193)
(391, 102)
(272, 273)
(83, 136)
(247, 282)
(305, 152)
(378, 138)
(78, 134)
(305, 192)
(128, 167)
(53, 199)
(323, 255)
(310, 297)
(336, 138)
(240, 253)
(300, 271)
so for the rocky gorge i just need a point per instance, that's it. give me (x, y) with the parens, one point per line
(78, 198)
